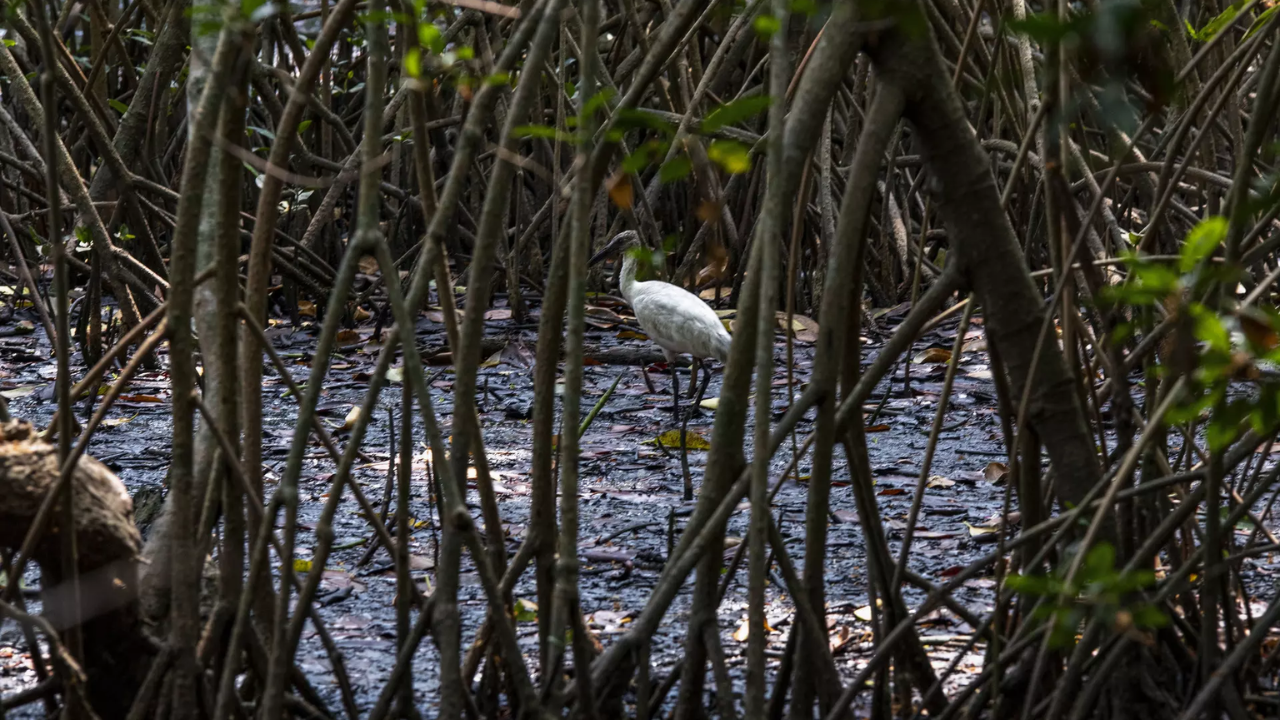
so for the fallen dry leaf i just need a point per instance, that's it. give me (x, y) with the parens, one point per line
(671, 440)
(932, 356)
(995, 472)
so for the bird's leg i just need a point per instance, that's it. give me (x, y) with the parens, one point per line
(694, 371)
(647, 381)
(675, 392)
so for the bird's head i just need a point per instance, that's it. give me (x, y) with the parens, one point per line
(621, 243)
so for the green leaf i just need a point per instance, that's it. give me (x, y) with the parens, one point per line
(735, 112)
(1180, 414)
(1214, 26)
(429, 37)
(1045, 28)
(675, 169)
(1226, 425)
(526, 611)
(1031, 584)
(803, 7)
(632, 119)
(1100, 561)
(304, 126)
(731, 155)
(262, 131)
(540, 131)
(413, 62)
(498, 79)
(1210, 329)
(118, 106)
(647, 153)
(597, 101)
(1150, 616)
(1203, 240)
(466, 52)
(766, 25)
(1263, 19)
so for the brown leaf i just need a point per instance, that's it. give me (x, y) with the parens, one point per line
(708, 211)
(932, 356)
(1260, 333)
(995, 472)
(369, 265)
(348, 337)
(498, 314)
(620, 190)
(306, 308)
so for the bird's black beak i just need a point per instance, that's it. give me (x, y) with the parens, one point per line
(605, 252)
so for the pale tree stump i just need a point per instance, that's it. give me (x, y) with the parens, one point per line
(117, 650)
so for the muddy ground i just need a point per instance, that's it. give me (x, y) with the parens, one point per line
(629, 485)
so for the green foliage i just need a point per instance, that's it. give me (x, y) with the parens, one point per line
(1262, 19)
(735, 112)
(650, 152)
(1202, 241)
(632, 119)
(803, 7)
(498, 79)
(677, 168)
(731, 155)
(413, 62)
(430, 37)
(255, 11)
(766, 25)
(542, 131)
(1098, 590)
(597, 101)
(1214, 26)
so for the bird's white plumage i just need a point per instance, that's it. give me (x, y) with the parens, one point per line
(674, 318)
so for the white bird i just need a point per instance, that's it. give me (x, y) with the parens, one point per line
(674, 318)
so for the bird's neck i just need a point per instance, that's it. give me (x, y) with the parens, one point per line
(627, 279)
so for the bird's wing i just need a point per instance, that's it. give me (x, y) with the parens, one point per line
(679, 321)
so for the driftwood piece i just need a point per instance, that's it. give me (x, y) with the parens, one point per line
(642, 353)
(117, 650)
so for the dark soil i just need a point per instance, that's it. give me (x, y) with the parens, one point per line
(631, 490)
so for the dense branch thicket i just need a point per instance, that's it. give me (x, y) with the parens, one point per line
(1093, 183)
